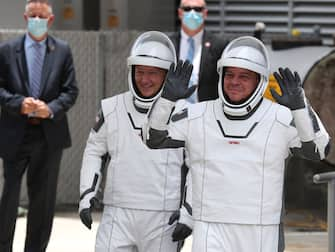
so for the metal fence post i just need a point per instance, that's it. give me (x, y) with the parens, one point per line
(329, 177)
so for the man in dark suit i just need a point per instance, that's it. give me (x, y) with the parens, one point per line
(207, 48)
(37, 88)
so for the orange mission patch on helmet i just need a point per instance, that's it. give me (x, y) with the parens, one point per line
(272, 84)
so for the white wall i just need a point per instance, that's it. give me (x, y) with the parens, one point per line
(11, 14)
(132, 14)
(63, 20)
(117, 8)
(151, 15)
(139, 15)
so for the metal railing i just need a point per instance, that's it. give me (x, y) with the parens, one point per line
(329, 177)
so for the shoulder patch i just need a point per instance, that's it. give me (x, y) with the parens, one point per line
(108, 105)
(284, 115)
(180, 115)
(197, 110)
(99, 121)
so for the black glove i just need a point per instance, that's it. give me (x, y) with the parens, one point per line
(293, 95)
(85, 214)
(181, 231)
(174, 217)
(86, 217)
(176, 81)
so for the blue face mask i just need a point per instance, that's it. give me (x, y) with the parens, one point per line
(192, 19)
(37, 26)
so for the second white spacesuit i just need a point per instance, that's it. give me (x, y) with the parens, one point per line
(142, 186)
(237, 150)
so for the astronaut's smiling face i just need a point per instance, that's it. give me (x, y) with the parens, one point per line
(149, 79)
(239, 83)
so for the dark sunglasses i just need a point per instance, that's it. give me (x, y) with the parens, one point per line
(196, 8)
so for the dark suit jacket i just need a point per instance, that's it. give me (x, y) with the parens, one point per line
(212, 47)
(58, 89)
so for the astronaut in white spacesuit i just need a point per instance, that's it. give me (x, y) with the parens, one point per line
(143, 186)
(237, 146)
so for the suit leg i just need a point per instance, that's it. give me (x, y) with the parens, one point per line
(13, 172)
(42, 179)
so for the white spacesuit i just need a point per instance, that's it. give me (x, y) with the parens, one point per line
(142, 186)
(237, 151)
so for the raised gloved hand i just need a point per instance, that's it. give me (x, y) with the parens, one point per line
(85, 211)
(181, 231)
(293, 95)
(176, 81)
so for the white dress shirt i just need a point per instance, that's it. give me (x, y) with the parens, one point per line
(197, 53)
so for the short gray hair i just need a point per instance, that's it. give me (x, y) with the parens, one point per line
(38, 1)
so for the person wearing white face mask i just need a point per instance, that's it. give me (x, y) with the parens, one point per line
(200, 47)
(37, 88)
(38, 27)
(39, 19)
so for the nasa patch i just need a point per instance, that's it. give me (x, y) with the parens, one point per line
(99, 121)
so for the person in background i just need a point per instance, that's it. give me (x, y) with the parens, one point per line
(142, 186)
(37, 88)
(199, 46)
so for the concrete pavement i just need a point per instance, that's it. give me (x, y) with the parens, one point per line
(69, 235)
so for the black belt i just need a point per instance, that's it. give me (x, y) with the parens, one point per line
(34, 121)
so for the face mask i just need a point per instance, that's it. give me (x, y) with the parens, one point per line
(192, 19)
(37, 26)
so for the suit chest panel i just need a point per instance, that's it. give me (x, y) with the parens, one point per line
(134, 168)
(124, 131)
(223, 143)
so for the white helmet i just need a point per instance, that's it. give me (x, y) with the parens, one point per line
(154, 49)
(249, 53)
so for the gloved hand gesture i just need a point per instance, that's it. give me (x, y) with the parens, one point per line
(86, 217)
(176, 81)
(181, 231)
(174, 217)
(293, 95)
(85, 211)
